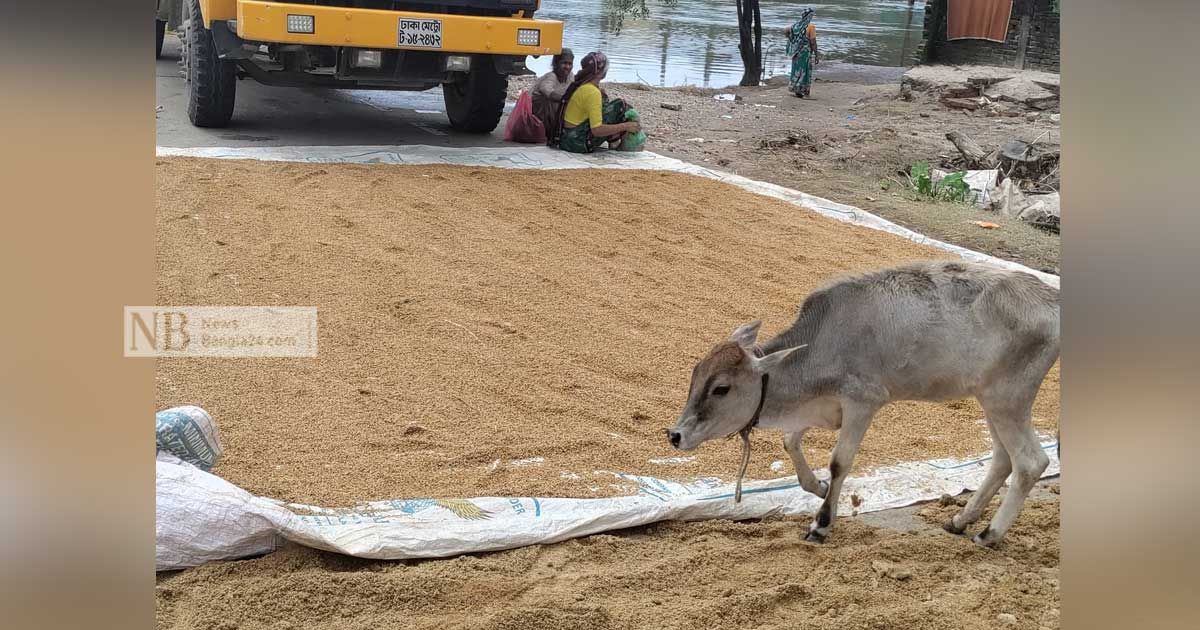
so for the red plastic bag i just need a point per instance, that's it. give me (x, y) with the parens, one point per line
(523, 125)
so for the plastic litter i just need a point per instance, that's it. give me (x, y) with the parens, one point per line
(982, 183)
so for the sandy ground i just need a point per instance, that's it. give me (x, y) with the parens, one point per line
(471, 320)
(715, 574)
(863, 134)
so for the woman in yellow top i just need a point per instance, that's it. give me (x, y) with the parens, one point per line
(585, 113)
(802, 48)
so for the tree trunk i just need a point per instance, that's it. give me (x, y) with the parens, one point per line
(743, 36)
(973, 154)
(757, 69)
(750, 41)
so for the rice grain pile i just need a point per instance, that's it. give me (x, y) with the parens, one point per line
(499, 332)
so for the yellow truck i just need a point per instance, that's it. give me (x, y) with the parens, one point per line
(469, 47)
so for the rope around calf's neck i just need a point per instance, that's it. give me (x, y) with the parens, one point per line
(744, 433)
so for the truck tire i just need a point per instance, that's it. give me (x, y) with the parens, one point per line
(160, 29)
(211, 81)
(476, 103)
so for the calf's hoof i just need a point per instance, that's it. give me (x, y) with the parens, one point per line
(815, 537)
(952, 528)
(986, 539)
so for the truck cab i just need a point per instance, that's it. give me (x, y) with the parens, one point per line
(469, 47)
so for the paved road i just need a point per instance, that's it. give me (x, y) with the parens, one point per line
(266, 116)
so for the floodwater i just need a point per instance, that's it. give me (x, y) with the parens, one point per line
(694, 42)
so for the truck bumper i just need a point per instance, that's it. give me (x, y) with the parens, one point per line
(370, 28)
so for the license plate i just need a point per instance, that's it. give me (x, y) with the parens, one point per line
(420, 33)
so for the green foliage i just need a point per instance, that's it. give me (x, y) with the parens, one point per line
(618, 10)
(950, 188)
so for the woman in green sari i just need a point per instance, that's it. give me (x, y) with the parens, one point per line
(802, 48)
(588, 118)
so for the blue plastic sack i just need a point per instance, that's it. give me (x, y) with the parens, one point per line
(190, 434)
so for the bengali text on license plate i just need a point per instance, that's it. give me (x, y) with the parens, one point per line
(421, 33)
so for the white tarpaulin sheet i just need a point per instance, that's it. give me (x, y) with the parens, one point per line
(201, 517)
(547, 158)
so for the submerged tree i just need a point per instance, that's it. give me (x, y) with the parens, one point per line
(750, 22)
(749, 30)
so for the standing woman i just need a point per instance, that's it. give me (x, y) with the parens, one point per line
(586, 118)
(802, 48)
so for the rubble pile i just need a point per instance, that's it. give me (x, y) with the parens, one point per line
(985, 89)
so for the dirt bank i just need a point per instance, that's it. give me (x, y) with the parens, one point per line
(716, 574)
(498, 332)
(862, 134)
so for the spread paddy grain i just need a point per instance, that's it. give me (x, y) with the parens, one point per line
(499, 332)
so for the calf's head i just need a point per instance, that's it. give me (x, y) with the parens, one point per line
(726, 389)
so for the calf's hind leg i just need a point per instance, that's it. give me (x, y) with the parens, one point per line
(1011, 419)
(997, 472)
(808, 481)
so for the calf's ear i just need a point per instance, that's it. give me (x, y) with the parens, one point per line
(771, 361)
(746, 334)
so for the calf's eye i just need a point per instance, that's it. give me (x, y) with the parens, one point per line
(720, 390)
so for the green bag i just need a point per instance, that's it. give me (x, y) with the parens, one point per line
(633, 141)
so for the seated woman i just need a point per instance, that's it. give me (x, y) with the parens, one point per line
(587, 118)
(548, 91)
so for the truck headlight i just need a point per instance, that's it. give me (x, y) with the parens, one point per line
(529, 36)
(301, 23)
(458, 63)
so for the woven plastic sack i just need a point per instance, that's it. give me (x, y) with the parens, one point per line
(523, 125)
(190, 434)
(200, 517)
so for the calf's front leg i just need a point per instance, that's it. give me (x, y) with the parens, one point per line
(792, 443)
(856, 417)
